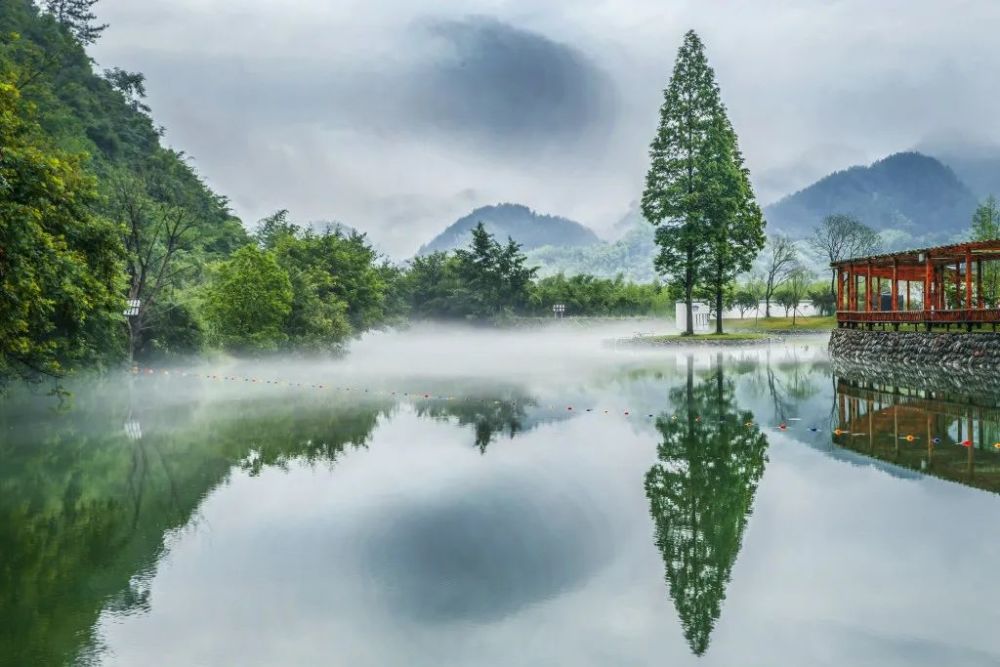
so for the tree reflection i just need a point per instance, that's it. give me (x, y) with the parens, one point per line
(490, 415)
(84, 505)
(701, 494)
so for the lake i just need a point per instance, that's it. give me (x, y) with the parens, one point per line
(461, 497)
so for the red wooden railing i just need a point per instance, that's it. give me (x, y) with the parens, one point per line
(960, 316)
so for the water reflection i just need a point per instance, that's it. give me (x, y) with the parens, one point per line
(372, 517)
(85, 504)
(701, 492)
(938, 433)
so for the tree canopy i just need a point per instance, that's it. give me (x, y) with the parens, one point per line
(697, 191)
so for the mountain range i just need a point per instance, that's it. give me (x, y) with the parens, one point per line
(532, 230)
(907, 195)
(911, 198)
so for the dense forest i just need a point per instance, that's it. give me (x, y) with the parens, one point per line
(113, 248)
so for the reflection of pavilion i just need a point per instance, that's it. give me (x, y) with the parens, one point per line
(923, 430)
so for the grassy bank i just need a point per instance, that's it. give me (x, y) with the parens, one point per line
(735, 338)
(782, 324)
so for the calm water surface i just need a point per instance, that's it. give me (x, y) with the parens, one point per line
(528, 501)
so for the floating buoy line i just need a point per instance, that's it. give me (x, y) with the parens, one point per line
(783, 426)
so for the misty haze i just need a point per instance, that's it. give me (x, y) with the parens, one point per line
(635, 333)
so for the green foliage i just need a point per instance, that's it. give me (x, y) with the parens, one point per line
(170, 223)
(794, 290)
(910, 192)
(701, 493)
(431, 284)
(822, 299)
(78, 18)
(986, 227)
(249, 300)
(339, 287)
(697, 191)
(486, 281)
(632, 256)
(84, 511)
(735, 224)
(59, 262)
(591, 296)
(493, 277)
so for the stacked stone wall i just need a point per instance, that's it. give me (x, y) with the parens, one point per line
(977, 352)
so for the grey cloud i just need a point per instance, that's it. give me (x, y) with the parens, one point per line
(506, 84)
(387, 115)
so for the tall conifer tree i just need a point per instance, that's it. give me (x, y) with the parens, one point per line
(697, 189)
(734, 222)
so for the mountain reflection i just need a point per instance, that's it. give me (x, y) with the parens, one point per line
(921, 427)
(701, 492)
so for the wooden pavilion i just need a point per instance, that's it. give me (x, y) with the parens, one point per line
(949, 285)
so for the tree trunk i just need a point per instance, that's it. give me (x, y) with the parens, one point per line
(688, 295)
(767, 307)
(131, 340)
(718, 309)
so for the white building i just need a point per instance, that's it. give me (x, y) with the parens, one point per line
(699, 315)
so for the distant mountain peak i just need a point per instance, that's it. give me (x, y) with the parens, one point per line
(526, 226)
(908, 192)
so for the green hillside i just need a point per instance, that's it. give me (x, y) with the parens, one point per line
(911, 194)
(530, 229)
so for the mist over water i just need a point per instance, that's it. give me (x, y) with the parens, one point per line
(458, 495)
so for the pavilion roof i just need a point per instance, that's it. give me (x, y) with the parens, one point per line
(944, 254)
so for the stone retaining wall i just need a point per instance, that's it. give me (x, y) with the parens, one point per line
(977, 352)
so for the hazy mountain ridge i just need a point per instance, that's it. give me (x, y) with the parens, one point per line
(910, 192)
(529, 228)
(910, 197)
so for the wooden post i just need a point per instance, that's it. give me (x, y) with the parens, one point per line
(979, 284)
(968, 279)
(852, 288)
(907, 294)
(895, 284)
(927, 283)
(958, 285)
(840, 290)
(868, 288)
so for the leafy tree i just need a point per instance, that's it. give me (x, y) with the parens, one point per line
(342, 271)
(986, 227)
(735, 223)
(588, 295)
(791, 294)
(249, 300)
(78, 17)
(745, 300)
(821, 298)
(59, 263)
(780, 260)
(431, 283)
(493, 277)
(131, 85)
(156, 236)
(841, 237)
(701, 493)
(682, 187)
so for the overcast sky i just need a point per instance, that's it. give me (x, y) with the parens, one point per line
(398, 117)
